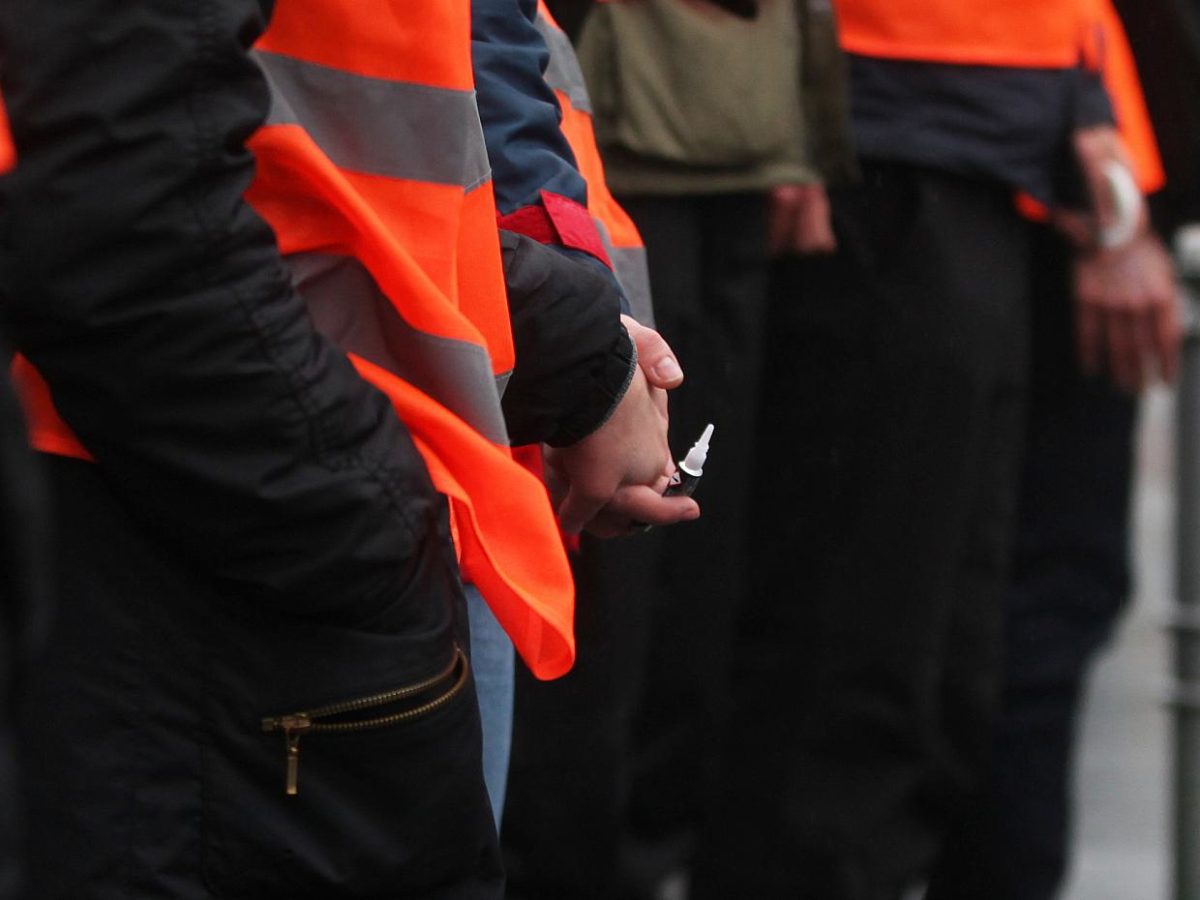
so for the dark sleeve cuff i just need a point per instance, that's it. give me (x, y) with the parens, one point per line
(608, 382)
(574, 357)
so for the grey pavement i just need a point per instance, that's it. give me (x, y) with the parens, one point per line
(1123, 826)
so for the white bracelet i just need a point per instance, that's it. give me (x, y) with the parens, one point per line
(1127, 198)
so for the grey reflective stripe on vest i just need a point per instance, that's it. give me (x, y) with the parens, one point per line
(563, 73)
(348, 307)
(629, 265)
(396, 129)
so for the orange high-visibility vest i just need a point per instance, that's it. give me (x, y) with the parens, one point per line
(372, 171)
(1053, 34)
(617, 231)
(1119, 71)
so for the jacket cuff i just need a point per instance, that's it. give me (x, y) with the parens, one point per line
(610, 380)
(558, 220)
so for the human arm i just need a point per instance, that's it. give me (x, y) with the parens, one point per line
(569, 376)
(155, 303)
(799, 214)
(528, 153)
(539, 190)
(1127, 317)
(1126, 308)
(1127, 313)
(799, 220)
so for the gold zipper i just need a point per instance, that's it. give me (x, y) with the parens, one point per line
(296, 725)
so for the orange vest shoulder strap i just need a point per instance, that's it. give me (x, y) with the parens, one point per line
(1013, 33)
(1129, 104)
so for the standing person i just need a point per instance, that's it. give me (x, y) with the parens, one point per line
(655, 611)
(258, 685)
(1070, 577)
(545, 194)
(869, 663)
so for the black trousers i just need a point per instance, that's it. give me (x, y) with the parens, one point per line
(1069, 583)
(146, 768)
(621, 752)
(867, 660)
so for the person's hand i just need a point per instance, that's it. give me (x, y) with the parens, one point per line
(799, 221)
(1127, 314)
(655, 355)
(629, 449)
(615, 477)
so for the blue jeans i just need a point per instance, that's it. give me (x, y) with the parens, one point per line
(494, 662)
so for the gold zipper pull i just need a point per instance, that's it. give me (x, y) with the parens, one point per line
(293, 728)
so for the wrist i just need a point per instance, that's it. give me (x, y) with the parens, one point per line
(1130, 218)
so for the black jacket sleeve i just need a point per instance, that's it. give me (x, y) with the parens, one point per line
(574, 357)
(155, 303)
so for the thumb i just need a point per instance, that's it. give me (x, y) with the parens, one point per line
(655, 356)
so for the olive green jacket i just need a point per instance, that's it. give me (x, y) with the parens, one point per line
(690, 99)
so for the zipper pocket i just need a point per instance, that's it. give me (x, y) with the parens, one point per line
(295, 725)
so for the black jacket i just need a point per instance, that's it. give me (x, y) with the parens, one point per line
(155, 303)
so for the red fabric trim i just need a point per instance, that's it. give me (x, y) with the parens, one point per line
(1031, 209)
(575, 226)
(531, 221)
(559, 220)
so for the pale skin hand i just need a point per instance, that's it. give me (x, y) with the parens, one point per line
(799, 221)
(1127, 316)
(615, 476)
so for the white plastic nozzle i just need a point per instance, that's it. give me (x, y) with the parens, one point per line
(693, 463)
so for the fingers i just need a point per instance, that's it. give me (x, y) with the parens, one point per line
(1167, 334)
(1127, 314)
(1125, 362)
(579, 508)
(799, 221)
(814, 226)
(781, 218)
(644, 506)
(1089, 336)
(1163, 317)
(655, 356)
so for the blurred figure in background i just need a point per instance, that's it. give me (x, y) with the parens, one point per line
(1070, 576)
(870, 660)
(698, 114)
